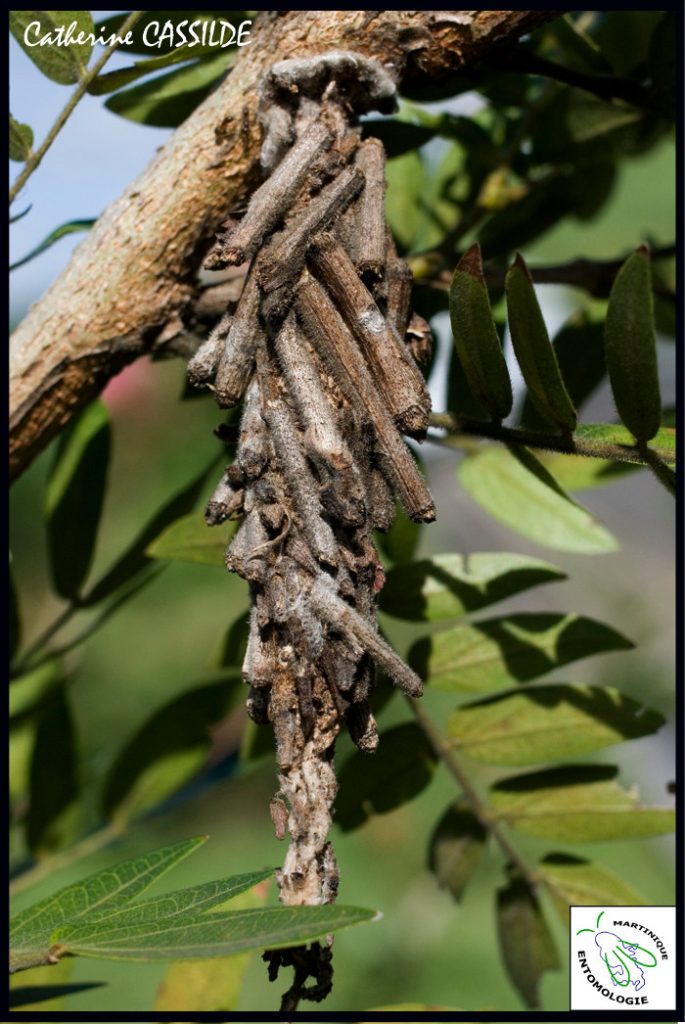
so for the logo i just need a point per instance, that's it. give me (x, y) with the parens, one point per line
(622, 958)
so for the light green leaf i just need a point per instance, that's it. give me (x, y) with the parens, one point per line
(630, 347)
(457, 847)
(516, 489)
(189, 539)
(218, 934)
(526, 942)
(401, 768)
(113, 80)
(63, 59)
(663, 442)
(169, 748)
(446, 586)
(548, 723)
(584, 473)
(533, 349)
(198, 899)
(74, 498)
(572, 881)
(166, 101)
(496, 654)
(406, 177)
(21, 141)
(476, 337)
(70, 228)
(31, 929)
(577, 803)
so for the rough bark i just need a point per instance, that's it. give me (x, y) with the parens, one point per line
(134, 277)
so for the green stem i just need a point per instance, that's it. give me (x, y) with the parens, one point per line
(664, 473)
(79, 92)
(24, 664)
(572, 445)
(480, 808)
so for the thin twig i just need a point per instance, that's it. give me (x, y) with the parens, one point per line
(534, 439)
(479, 807)
(79, 92)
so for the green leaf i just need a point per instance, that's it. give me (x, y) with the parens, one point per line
(74, 497)
(257, 742)
(630, 347)
(516, 489)
(210, 984)
(146, 34)
(496, 654)
(15, 617)
(577, 804)
(401, 768)
(234, 643)
(31, 929)
(584, 473)
(29, 996)
(446, 586)
(526, 941)
(113, 80)
(54, 777)
(218, 934)
(400, 542)
(135, 559)
(533, 350)
(60, 59)
(475, 335)
(166, 101)
(398, 137)
(168, 749)
(572, 881)
(663, 442)
(21, 141)
(457, 847)
(406, 177)
(197, 899)
(548, 723)
(70, 228)
(189, 539)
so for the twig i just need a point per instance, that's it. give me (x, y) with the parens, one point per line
(479, 807)
(79, 92)
(548, 442)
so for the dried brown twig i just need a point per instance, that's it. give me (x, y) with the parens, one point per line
(316, 344)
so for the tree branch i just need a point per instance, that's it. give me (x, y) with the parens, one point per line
(136, 270)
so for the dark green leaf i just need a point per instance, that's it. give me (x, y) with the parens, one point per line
(663, 443)
(258, 742)
(217, 934)
(189, 539)
(398, 137)
(169, 748)
(74, 498)
(54, 777)
(106, 889)
(630, 347)
(526, 942)
(134, 559)
(146, 34)
(662, 63)
(548, 723)
(400, 542)
(31, 689)
(234, 643)
(624, 37)
(24, 995)
(579, 348)
(70, 228)
(113, 80)
(496, 654)
(446, 586)
(457, 847)
(516, 489)
(533, 350)
(475, 336)
(572, 881)
(166, 101)
(21, 141)
(577, 803)
(401, 768)
(62, 58)
(15, 617)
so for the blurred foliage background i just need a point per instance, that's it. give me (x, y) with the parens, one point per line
(170, 636)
